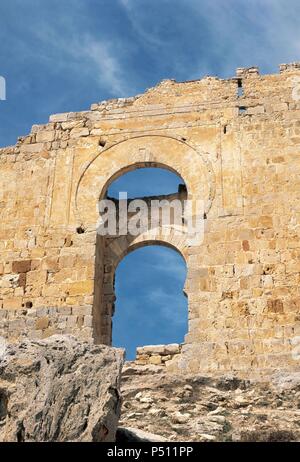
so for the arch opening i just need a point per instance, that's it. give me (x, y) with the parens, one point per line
(173, 153)
(144, 179)
(149, 182)
(151, 306)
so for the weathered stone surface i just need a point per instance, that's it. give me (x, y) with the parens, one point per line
(45, 136)
(286, 381)
(210, 408)
(133, 435)
(157, 354)
(59, 389)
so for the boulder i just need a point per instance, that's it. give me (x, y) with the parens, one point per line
(135, 435)
(286, 381)
(59, 389)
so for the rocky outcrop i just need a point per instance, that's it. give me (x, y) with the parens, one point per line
(59, 389)
(133, 435)
(62, 389)
(204, 408)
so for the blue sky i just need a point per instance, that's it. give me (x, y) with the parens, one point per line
(151, 307)
(64, 55)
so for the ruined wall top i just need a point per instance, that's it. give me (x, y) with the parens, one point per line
(210, 92)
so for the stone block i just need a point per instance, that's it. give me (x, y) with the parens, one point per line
(79, 132)
(81, 287)
(32, 148)
(22, 266)
(42, 323)
(45, 136)
(59, 117)
(172, 349)
(155, 359)
(151, 349)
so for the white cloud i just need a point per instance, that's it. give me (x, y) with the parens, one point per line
(126, 3)
(169, 306)
(236, 33)
(148, 35)
(170, 263)
(86, 56)
(108, 69)
(256, 32)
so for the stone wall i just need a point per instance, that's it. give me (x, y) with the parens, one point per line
(59, 389)
(238, 153)
(157, 354)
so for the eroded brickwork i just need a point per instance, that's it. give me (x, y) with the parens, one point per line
(238, 151)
